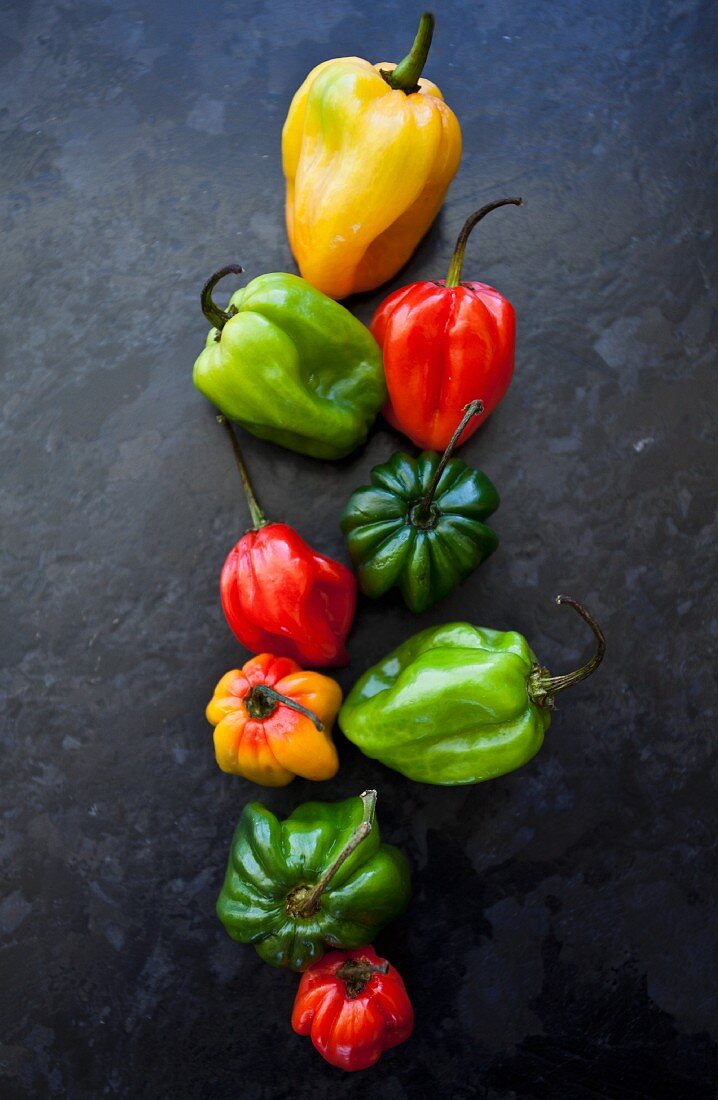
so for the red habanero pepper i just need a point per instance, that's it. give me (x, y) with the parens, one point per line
(279, 595)
(354, 1006)
(443, 342)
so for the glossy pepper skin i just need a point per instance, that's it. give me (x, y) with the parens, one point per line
(443, 342)
(420, 524)
(273, 721)
(354, 1006)
(290, 365)
(321, 878)
(458, 704)
(279, 595)
(368, 153)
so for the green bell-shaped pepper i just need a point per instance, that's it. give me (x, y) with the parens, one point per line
(419, 525)
(291, 365)
(321, 878)
(458, 703)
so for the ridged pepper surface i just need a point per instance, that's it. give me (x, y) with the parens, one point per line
(368, 152)
(321, 878)
(273, 720)
(445, 341)
(458, 704)
(420, 524)
(354, 1006)
(279, 595)
(290, 365)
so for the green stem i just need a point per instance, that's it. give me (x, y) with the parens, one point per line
(422, 512)
(405, 77)
(453, 277)
(310, 901)
(543, 686)
(355, 973)
(261, 702)
(217, 317)
(258, 517)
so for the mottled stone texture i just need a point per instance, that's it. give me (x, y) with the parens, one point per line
(561, 939)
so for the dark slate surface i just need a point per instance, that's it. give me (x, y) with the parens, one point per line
(560, 942)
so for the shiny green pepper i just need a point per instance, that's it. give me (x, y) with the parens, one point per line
(321, 878)
(458, 703)
(419, 525)
(291, 365)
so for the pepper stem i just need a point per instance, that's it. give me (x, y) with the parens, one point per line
(422, 512)
(258, 517)
(217, 317)
(355, 973)
(261, 701)
(310, 902)
(453, 277)
(405, 77)
(543, 686)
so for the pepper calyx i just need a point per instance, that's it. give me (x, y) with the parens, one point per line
(542, 686)
(356, 972)
(419, 517)
(405, 76)
(261, 701)
(304, 901)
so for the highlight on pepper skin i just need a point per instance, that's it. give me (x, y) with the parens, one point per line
(274, 721)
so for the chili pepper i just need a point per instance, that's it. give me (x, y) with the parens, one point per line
(354, 1006)
(419, 525)
(273, 721)
(443, 341)
(320, 878)
(290, 365)
(458, 703)
(368, 153)
(280, 596)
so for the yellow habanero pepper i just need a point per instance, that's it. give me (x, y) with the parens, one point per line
(273, 721)
(368, 152)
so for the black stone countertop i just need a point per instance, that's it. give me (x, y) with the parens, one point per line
(561, 938)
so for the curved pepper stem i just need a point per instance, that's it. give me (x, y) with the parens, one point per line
(261, 702)
(543, 686)
(217, 317)
(421, 513)
(453, 277)
(307, 903)
(258, 517)
(405, 77)
(355, 973)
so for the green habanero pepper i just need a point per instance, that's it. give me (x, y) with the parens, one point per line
(321, 878)
(458, 704)
(291, 365)
(419, 525)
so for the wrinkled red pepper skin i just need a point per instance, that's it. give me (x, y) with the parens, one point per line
(352, 1032)
(279, 596)
(443, 347)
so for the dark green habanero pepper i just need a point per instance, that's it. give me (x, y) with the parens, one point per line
(291, 365)
(321, 878)
(458, 703)
(419, 525)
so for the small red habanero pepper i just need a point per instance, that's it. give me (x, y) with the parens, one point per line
(443, 342)
(354, 1006)
(279, 596)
